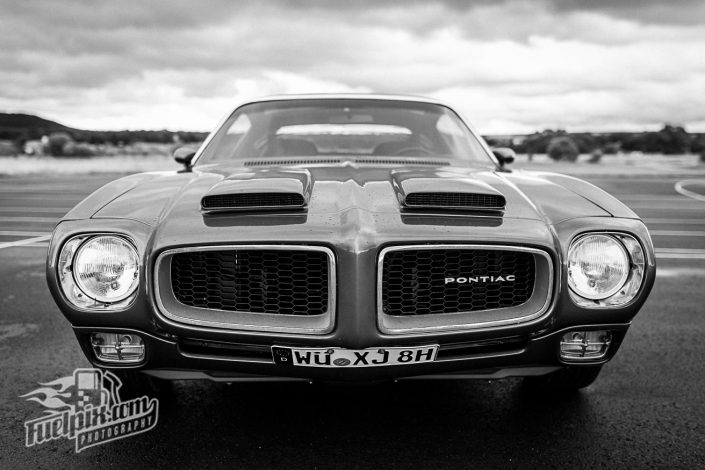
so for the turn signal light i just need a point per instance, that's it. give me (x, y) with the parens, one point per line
(585, 345)
(117, 347)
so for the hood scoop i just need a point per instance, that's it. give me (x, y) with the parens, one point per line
(264, 190)
(445, 191)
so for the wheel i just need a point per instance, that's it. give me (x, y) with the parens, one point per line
(565, 380)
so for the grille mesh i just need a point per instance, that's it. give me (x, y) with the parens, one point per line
(256, 200)
(455, 200)
(283, 282)
(413, 281)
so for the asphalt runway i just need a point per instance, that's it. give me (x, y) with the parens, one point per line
(647, 409)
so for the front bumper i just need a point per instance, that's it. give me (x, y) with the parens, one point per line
(185, 358)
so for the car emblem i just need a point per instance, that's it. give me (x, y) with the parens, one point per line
(480, 279)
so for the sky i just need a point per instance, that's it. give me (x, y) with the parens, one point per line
(514, 66)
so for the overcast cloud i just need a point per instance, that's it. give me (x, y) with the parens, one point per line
(514, 66)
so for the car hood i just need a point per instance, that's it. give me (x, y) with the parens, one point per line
(347, 201)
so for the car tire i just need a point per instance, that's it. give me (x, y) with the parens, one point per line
(566, 380)
(137, 384)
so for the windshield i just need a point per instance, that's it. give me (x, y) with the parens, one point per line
(343, 127)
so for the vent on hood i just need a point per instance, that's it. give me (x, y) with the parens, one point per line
(454, 200)
(252, 201)
(335, 161)
(400, 161)
(288, 162)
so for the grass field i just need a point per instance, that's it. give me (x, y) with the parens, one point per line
(77, 166)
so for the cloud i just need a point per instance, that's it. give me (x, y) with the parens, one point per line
(517, 65)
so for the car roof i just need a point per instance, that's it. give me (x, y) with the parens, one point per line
(338, 96)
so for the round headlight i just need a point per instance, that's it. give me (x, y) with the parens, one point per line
(598, 266)
(106, 268)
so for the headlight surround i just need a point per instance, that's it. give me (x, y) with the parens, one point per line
(99, 272)
(605, 269)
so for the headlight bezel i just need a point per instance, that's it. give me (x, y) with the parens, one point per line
(73, 293)
(630, 287)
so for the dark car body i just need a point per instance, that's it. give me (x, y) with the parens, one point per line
(353, 212)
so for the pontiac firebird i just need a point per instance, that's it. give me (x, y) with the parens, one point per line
(340, 238)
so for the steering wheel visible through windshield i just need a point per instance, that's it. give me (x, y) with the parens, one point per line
(343, 127)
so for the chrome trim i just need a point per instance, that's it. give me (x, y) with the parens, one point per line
(212, 357)
(532, 317)
(180, 374)
(511, 352)
(570, 358)
(329, 315)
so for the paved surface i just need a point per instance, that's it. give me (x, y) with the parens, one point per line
(647, 409)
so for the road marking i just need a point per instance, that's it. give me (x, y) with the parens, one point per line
(651, 197)
(45, 197)
(28, 219)
(680, 272)
(680, 256)
(681, 206)
(636, 179)
(57, 210)
(26, 241)
(681, 190)
(681, 250)
(21, 233)
(648, 221)
(678, 233)
(680, 253)
(43, 189)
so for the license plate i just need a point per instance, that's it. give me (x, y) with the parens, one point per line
(338, 357)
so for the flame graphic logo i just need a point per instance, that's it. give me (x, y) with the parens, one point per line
(53, 395)
(86, 407)
(85, 387)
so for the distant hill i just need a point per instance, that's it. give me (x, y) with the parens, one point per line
(13, 126)
(23, 127)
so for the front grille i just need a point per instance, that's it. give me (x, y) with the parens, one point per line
(455, 200)
(253, 200)
(414, 280)
(280, 282)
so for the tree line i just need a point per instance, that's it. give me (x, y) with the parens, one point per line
(562, 145)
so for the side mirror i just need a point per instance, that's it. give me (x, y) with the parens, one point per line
(184, 155)
(505, 155)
